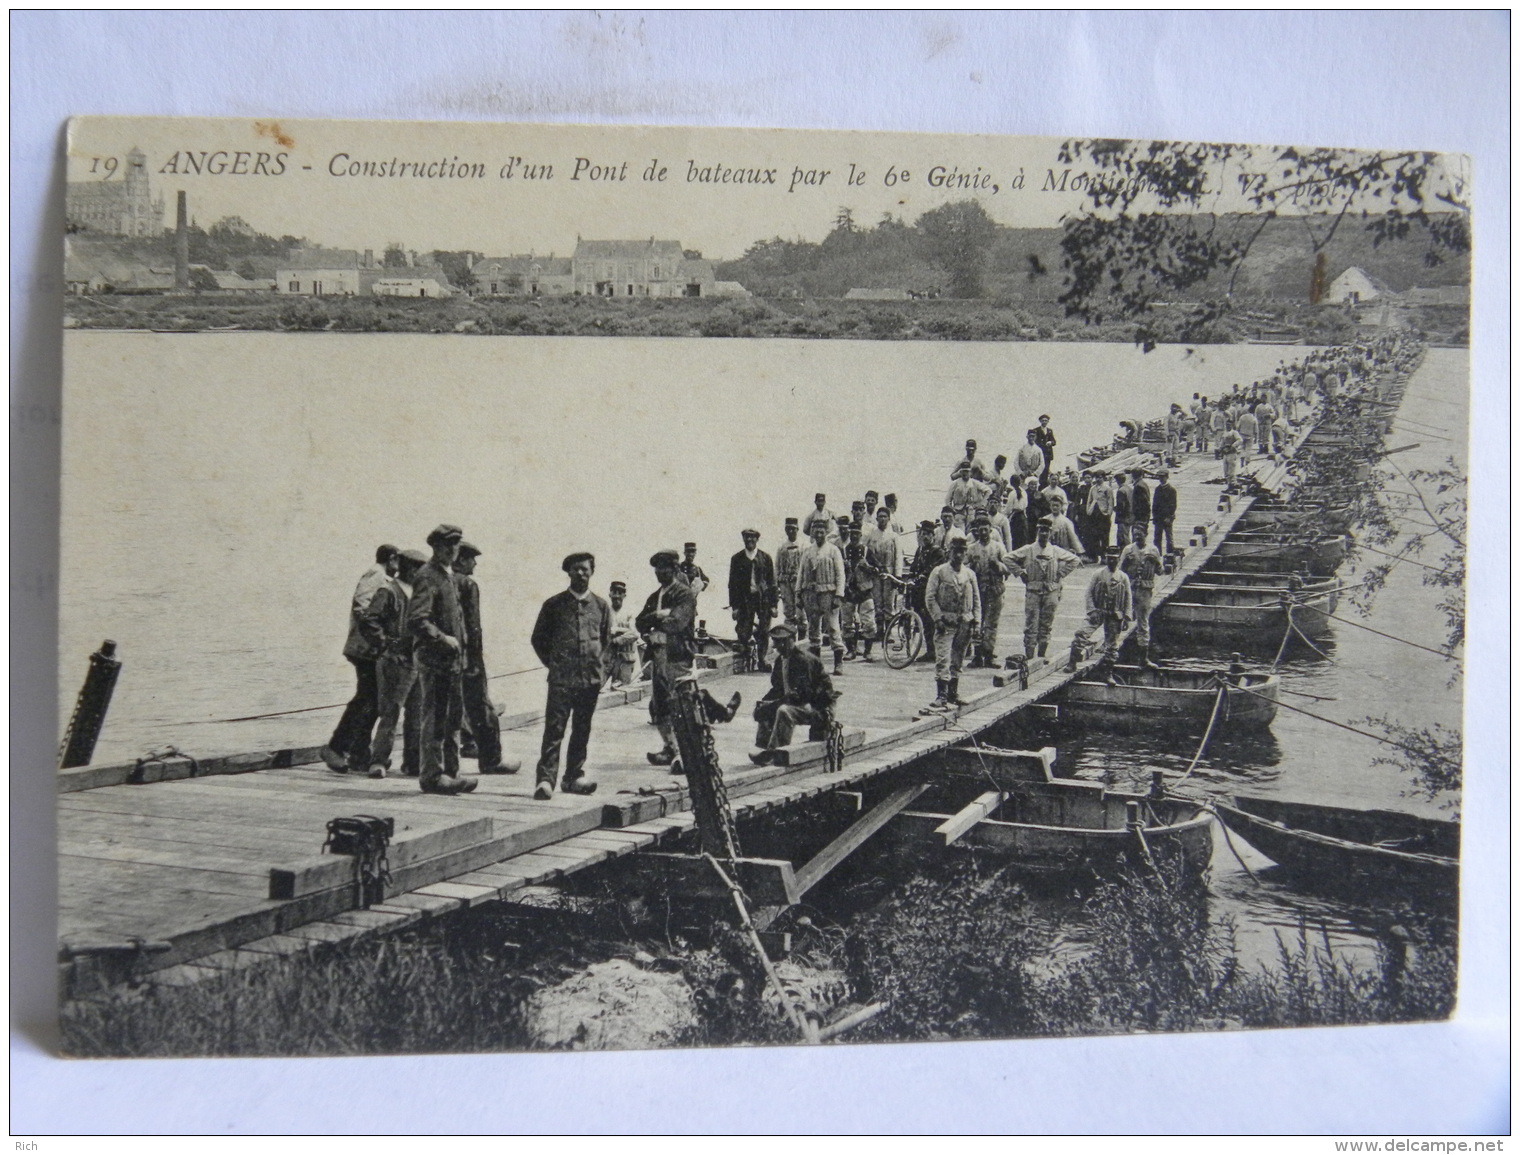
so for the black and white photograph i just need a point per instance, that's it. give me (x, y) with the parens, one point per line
(528, 588)
(754, 588)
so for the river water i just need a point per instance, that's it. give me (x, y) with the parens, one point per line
(223, 492)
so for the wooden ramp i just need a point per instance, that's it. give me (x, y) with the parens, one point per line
(182, 874)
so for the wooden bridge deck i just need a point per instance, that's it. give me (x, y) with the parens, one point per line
(188, 864)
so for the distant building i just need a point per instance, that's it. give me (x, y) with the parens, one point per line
(877, 295)
(122, 208)
(651, 268)
(1354, 287)
(319, 273)
(113, 265)
(529, 276)
(410, 281)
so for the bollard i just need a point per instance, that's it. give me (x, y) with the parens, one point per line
(90, 710)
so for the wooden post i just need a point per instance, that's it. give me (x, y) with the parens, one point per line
(90, 710)
(837, 851)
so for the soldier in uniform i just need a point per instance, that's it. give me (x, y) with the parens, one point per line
(787, 559)
(859, 605)
(821, 582)
(1045, 438)
(485, 727)
(752, 594)
(954, 603)
(668, 623)
(1029, 460)
(819, 512)
(1164, 510)
(884, 556)
(1141, 563)
(624, 659)
(987, 559)
(436, 624)
(926, 558)
(1108, 608)
(1043, 567)
(695, 576)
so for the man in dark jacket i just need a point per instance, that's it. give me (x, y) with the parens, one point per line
(1164, 511)
(436, 624)
(668, 623)
(571, 637)
(485, 727)
(1140, 505)
(752, 594)
(1045, 438)
(800, 692)
(348, 748)
(383, 625)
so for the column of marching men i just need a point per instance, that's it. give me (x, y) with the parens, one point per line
(415, 640)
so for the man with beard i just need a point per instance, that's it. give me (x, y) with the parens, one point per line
(752, 595)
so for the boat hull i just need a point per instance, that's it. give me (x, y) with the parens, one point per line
(1202, 609)
(1255, 552)
(1334, 846)
(1182, 699)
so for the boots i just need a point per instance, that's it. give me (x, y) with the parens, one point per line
(849, 654)
(866, 657)
(1028, 651)
(1145, 658)
(1076, 657)
(953, 693)
(667, 755)
(838, 662)
(939, 704)
(1042, 649)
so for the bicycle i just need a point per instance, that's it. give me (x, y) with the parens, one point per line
(903, 638)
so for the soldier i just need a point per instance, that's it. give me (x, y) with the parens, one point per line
(859, 605)
(384, 626)
(1108, 606)
(884, 556)
(821, 582)
(624, 659)
(348, 748)
(965, 497)
(871, 502)
(572, 637)
(926, 558)
(889, 502)
(1174, 438)
(800, 692)
(1029, 461)
(1140, 505)
(1164, 510)
(1124, 510)
(944, 530)
(695, 577)
(819, 512)
(1043, 567)
(668, 623)
(752, 595)
(1141, 563)
(485, 727)
(955, 608)
(987, 559)
(436, 624)
(787, 559)
(1229, 450)
(1100, 513)
(1062, 532)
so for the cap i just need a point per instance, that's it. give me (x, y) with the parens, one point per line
(415, 556)
(468, 550)
(946, 509)
(690, 545)
(1044, 523)
(782, 630)
(574, 558)
(890, 498)
(1163, 473)
(855, 529)
(872, 493)
(1112, 551)
(445, 532)
(980, 519)
(790, 521)
(927, 524)
(1044, 416)
(664, 557)
(749, 533)
(819, 496)
(615, 587)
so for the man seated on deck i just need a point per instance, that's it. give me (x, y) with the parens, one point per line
(800, 692)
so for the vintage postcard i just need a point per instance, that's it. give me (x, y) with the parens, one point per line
(529, 587)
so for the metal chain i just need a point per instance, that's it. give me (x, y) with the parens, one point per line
(704, 772)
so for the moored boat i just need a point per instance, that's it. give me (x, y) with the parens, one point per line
(1334, 845)
(1278, 517)
(1217, 604)
(1182, 699)
(1320, 554)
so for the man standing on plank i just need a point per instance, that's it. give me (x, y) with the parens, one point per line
(485, 727)
(348, 748)
(1043, 567)
(752, 595)
(955, 608)
(384, 625)
(436, 624)
(571, 637)
(668, 623)
(788, 557)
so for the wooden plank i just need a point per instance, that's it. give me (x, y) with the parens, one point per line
(968, 816)
(634, 809)
(279, 945)
(147, 854)
(465, 893)
(178, 833)
(851, 840)
(765, 880)
(323, 872)
(78, 778)
(325, 932)
(429, 905)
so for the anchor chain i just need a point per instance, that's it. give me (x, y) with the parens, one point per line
(367, 839)
(704, 773)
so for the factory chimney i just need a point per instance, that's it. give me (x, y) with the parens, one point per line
(181, 245)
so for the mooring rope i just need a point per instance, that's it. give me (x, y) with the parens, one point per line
(1390, 637)
(1209, 730)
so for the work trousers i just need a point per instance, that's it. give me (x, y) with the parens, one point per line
(1143, 596)
(791, 612)
(860, 621)
(776, 722)
(1231, 464)
(992, 614)
(351, 735)
(666, 674)
(575, 706)
(1111, 624)
(950, 644)
(822, 618)
(1099, 526)
(485, 727)
(1163, 529)
(1126, 533)
(754, 621)
(884, 598)
(625, 664)
(1039, 618)
(440, 704)
(398, 691)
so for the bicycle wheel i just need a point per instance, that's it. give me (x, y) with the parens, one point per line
(903, 640)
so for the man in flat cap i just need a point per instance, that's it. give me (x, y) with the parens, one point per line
(1108, 609)
(788, 557)
(752, 595)
(1045, 438)
(384, 626)
(668, 624)
(988, 560)
(800, 693)
(485, 727)
(571, 637)
(926, 558)
(1043, 566)
(624, 659)
(436, 624)
(348, 748)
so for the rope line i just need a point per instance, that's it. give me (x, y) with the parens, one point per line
(1390, 637)
(1322, 718)
(1218, 701)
